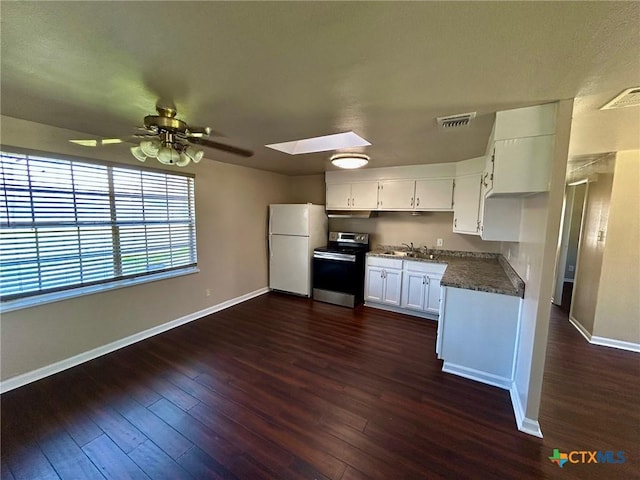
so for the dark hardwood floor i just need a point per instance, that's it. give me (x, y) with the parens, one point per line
(281, 387)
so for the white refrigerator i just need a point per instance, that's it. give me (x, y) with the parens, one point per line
(294, 231)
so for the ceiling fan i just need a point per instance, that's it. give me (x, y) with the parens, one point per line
(171, 140)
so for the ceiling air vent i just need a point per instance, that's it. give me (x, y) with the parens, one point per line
(454, 121)
(629, 98)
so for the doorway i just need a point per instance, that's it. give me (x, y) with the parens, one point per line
(568, 245)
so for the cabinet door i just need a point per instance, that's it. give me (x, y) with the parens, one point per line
(523, 165)
(392, 287)
(364, 196)
(338, 196)
(396, 195)
(432, 301)
(414, 286)
(374, 284)
(435, 194)
(466, 204)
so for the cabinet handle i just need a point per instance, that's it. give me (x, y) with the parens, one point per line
(484, 180)
(348, 202)
(418, 202)
(455, 223)
(353, 202)
(412, 201)
(424, 280)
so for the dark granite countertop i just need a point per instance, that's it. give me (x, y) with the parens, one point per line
(484, 272)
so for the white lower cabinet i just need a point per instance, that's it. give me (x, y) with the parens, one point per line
(407, 286)
(421, 286)
(383, 281)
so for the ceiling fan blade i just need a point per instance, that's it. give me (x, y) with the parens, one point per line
(243, 152)
(99, 142)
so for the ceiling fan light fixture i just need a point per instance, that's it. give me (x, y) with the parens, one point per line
(349, 160)
(183, 160)
(138, 153)
(194, 154)
(168, 155)
(150, 147)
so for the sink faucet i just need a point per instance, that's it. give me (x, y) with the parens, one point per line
(410, 247)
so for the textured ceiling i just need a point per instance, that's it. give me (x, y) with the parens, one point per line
(267, 72)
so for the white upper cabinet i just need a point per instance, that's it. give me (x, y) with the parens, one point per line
(396, 195)
(424, 194)
(352, 196)
(338, 196)
(493, 218)
(408, 188)
(521, 165)
(466, 204)
(364, 196)
(434, 194)
(521, 151)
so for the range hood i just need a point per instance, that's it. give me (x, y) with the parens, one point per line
(351, 214)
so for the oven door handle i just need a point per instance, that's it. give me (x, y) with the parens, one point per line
(341, 257)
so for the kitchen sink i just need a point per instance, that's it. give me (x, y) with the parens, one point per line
(400, 253)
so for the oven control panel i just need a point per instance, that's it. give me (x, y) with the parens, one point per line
(346, 237)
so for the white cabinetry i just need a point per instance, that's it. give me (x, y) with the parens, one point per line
(422, 195)
(477, 335)
(520, 166)
(383, 281)
(494, 218)
(421, 286)
(352, 196)
(466, 204)
(521, 151)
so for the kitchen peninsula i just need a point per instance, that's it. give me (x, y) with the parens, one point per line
(476, 298)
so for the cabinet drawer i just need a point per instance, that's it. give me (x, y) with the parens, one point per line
(384, 262)
(425, 267)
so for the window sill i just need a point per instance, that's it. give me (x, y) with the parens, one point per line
(37, 300)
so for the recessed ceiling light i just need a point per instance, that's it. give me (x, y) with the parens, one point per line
(325, 143)
(350, 160)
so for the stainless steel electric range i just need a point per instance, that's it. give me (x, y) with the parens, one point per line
(338, 269)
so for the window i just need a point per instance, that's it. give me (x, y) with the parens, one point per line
(67, 223)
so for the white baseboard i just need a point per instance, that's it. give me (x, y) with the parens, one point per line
(526, 425)
(477, 375)
(612, 342)
(583, 331)
(56, 367)
(604, 341)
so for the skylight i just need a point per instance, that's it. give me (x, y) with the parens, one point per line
(325, 143)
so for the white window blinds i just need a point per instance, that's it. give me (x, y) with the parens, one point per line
(68, 223)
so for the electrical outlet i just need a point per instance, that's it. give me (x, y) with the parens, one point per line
(571, 268)
(207, 292)
(439, 242)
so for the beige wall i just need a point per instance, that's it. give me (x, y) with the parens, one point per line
(231, 223)
(395, 228)
(617, 313)
(308, 189)
(591, 250)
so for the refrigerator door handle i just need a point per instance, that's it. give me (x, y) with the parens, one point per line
(270, 249)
